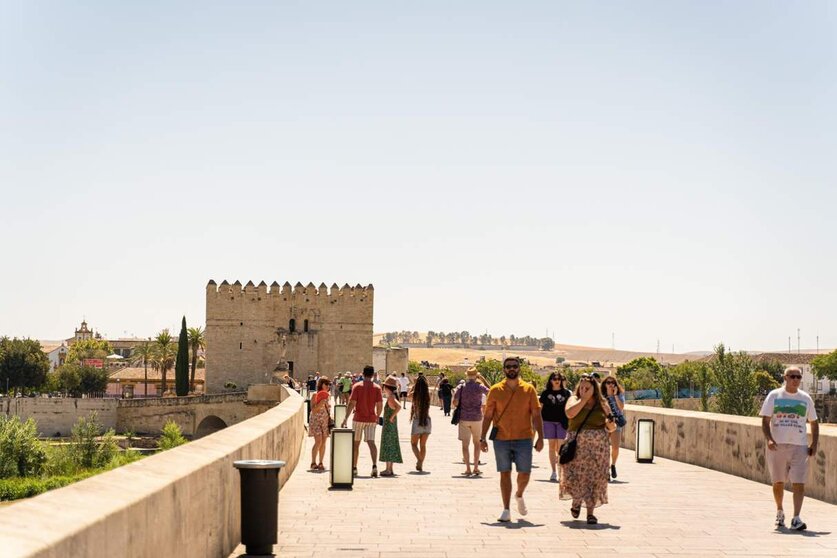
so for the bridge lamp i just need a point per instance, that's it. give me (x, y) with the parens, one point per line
(645, 441)
(339, 414)
(342, 454)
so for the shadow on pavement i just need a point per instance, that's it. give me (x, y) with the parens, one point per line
(805, 533)
(519, 524)
(582, 524)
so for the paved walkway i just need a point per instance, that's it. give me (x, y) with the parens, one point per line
(661, 509)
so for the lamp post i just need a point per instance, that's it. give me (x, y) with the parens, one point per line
(259, 504)
(342, 457)
(645, 441)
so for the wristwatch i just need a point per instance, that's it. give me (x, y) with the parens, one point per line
(482, 439)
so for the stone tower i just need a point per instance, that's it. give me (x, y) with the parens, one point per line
(255, 331)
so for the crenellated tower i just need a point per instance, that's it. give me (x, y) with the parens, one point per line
(253, 331)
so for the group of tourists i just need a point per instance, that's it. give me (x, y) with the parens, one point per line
(582, 429)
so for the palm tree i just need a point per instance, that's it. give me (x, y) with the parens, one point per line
(142, 354)
(165, 351)
(197, 342)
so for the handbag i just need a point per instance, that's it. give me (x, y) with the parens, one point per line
(456, 412)
(494, 429)
(567, 451)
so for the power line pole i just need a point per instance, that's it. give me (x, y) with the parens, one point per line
(789, 344)
(613, 341)
(798, 338)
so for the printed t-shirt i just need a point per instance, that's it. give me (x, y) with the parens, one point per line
(515, 422)
(365, 395)
(469, 398)
(554, 405)
(320, 396)
(789, 415)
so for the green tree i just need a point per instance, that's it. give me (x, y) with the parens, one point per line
(197, 342)
(21, 453)
(165, 351)
(641, 363)
(825, 366)
(527, 374)
(491, 369)
(735, 377)
(88, 348)
(143, 354)
(181, 366)
(547, 344)
(93, 380)
(765, 382)
(76, 380)
(414, 368)
(667, 385)
(773, 367)
(571, 377)
(91, 447)
(23, 364)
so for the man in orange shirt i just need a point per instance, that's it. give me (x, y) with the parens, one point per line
(513, 407)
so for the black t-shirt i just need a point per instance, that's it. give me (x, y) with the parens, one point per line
(553, 406)
(445, 389)
(312, 385)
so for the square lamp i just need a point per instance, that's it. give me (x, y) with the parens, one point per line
(342, 457)
(339, 414)
(645, 441)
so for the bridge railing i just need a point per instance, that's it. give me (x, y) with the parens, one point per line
(183, 502)
(730, 444)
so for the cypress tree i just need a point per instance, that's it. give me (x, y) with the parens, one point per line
(181, 365)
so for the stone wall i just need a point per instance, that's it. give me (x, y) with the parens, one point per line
(248, 328)
(729, 444)
(690, 404)
(56, 416)
(183, 502)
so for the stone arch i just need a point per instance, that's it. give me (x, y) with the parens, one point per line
(209, 425)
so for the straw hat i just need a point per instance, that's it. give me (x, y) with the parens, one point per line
(472, 371)
(391, 381)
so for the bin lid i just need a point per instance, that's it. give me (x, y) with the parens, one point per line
(258, 464)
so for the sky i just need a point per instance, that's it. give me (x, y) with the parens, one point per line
(637, 171)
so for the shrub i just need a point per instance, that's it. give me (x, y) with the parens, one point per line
(90, 448)
(737, 382)
(667, 385)
(21, 453)
(172, 436)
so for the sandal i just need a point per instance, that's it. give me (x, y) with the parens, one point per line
(477, 472)
(320, 467)
(575, 512)
(591, 520)
(313, 467)
(466, 474)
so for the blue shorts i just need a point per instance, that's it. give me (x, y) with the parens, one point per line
(518, 451)
(553, 430)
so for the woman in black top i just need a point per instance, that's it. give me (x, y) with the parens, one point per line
(553, 402)
(445, 392)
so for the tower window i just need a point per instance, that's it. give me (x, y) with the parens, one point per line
(305, 326)
(240, 346)
(292, 325)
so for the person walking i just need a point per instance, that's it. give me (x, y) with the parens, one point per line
(512, 407)
(404, 388)
(439, 381)
(584, 478)
(365, 406)
(785, 413)
(319, 423)
(615, 395)
(445, 393)
(420, 424)
(345, 388)
(470, 400)
(390, 447)
(553, 412)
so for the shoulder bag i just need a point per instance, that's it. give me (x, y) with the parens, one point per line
(456, 412)
(567, 452)
(493, 434)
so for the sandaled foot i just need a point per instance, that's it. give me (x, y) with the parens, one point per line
(466, 473)
(477, 472)
(591, 520)
(575, 512)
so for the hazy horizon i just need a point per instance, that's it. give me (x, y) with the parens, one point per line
(654, 170)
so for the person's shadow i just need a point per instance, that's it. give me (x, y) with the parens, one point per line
(804, 533)
(582, 524)
(519, 524)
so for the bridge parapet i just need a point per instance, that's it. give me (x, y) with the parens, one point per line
(183, 502)
(730, 444)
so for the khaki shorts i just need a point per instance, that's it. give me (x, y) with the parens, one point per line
(788, 462)
(364, 431)
(469, 428)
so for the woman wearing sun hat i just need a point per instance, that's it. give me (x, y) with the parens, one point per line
(390, 447)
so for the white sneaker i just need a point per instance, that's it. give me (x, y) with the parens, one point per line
(505, 517)
(797, 524)
(554, 476)
(780, 519)
(521, 505)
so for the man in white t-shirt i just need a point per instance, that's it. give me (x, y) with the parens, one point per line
(785, 414)
(404, 387)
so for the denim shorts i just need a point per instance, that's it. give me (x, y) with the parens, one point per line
(517, 451)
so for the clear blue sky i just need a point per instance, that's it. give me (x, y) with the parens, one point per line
(661, 170)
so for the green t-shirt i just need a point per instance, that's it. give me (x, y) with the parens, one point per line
(346, 385)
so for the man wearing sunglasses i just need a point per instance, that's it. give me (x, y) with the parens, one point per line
(785, 414)
(513, 407)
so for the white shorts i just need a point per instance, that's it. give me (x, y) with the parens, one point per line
(469, 429)
(364, 431)
(788, 462)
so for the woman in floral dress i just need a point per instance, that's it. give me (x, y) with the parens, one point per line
(584, 479)
(390, 447)
(318, 423)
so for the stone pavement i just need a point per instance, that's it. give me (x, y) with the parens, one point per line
(661, 509)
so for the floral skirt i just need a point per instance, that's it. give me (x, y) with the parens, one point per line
(318, 422)
(584, 479)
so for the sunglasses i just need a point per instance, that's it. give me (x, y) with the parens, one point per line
(794, 377)
(511, 366)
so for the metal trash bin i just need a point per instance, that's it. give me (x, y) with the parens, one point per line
(259, 504)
